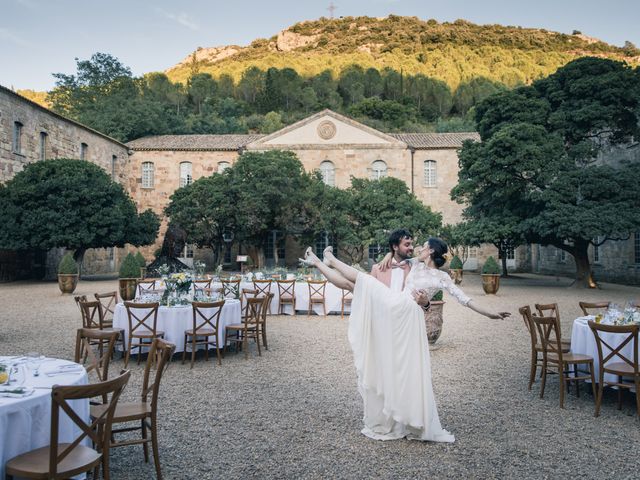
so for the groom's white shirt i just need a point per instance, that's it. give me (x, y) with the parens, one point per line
(397, 278)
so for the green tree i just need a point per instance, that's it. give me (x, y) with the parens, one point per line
(72, 204)
(200, 87)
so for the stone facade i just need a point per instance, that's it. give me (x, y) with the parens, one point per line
(30, 132)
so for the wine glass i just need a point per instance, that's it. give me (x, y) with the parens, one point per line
(34, 360)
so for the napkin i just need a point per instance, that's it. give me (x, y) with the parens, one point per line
(64, 370)
(15, 392)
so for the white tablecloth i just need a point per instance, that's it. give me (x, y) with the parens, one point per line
(25, 423)
(584, 342)
(333, 296)
(173, 321)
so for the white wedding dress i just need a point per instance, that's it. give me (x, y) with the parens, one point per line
(391, 352)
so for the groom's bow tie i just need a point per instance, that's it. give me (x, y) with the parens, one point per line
(402, 264)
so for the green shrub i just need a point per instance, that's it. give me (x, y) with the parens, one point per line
(437, 297)
(490, 267)
(68, 265)
(456, 263)
(140, 259)
(129, 268)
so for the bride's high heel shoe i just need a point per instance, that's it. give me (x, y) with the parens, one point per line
(325, 259)
(307, 261)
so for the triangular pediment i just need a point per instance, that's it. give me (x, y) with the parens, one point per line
(326, 129)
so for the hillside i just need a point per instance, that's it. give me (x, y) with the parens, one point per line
(452, 52)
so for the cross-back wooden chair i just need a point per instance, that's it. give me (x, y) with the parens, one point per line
(347, 298)
(80, 298)
(201, 284)
(624, 367)
(109, 301)
(143, 322)
(587, 307)
(98, 363)
(230, 288)
(65, 460)
(548, 330)
(262, 288)
(240, 333)
(553, 310)
(145, 285)
(317, 295)
(92, 316)
(205, 330)
(262, 325)
(286, 294)
(146, 410)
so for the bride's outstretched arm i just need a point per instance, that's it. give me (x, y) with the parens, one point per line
(486, 313)
(457, 292)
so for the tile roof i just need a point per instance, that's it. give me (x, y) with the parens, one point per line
(435, 140)
(193, 142)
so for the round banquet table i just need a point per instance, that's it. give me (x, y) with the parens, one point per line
(173, 321)
(25, 422)
(583, 341)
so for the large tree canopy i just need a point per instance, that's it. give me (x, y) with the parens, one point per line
(540, 170)
(72, 204)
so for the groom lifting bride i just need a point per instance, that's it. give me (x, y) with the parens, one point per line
(388, 336)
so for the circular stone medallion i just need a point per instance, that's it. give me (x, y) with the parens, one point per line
(326, 130)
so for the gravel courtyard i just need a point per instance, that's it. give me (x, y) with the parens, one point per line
(295, 412)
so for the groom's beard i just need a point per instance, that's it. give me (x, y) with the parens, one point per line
(399, 257)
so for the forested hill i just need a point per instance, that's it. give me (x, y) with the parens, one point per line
(453, 52)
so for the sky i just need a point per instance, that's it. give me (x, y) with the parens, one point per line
(41, 37)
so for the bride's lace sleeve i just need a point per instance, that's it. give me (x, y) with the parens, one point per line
(455, 290)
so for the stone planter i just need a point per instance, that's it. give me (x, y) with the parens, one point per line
(490, 283)
(433, 321)
(67, 282)
(456, 275)
(127, 287)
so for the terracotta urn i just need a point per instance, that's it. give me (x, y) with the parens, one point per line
(433, 321)
(67, 282)
(127, 287)
(490, 283)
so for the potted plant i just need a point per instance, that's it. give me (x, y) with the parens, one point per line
(129, 276)
(143, 265)
(490, 276)
(67, 274)
(455, 269)
(433, 318)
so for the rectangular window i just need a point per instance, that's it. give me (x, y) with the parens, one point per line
(17, 137)
(374, 252)
(473, 252)
(430, 173)
(112, 253)
(185, 174)
(268, 251)
(563, 256)
(636, 247)
(596, 250)
(147, 174)
(83, 151)
(114, 165)
(188, 251)
(227, 255)
(43, 145)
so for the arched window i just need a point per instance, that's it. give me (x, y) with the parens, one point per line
(84, 148)
(185, 174)
(147, 174)
(328, 172)
(378, 170)
(430, 174)
(222, 166)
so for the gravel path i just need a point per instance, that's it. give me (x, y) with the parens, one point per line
(295, 411)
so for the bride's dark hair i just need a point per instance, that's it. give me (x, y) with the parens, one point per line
(439, 249)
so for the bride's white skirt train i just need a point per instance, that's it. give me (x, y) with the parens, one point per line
(391, 352)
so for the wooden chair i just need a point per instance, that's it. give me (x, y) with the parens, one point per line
(230, 287)
(627, 367)
(287, 295)
(262, 288)
(249, 327)
(85, 355)
(262, 325)
(146, 410)
(316, 294)
(552, 310)
(145, 285)
(64, 460)
(201, 284)
(139, 330)
(548, 329)
(80, 298)
(599, 306)
(109, 301)
(93, 318)
(206, 321)
(347, 298)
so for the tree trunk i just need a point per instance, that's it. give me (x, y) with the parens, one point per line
(78, 256)
(580, 254)
(502, 253)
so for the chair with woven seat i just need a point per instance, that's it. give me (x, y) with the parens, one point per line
(599, 307)
(316, 295)
(262, 288)
(65, 460)
(205, 329)
(143, 322)
(249, 327)
(143, 286)
(286, 295)
(146, 410)
(109, 301)
(548, 329)
(627, 367)
(347, 298)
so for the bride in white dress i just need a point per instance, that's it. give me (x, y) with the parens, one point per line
(389, 340)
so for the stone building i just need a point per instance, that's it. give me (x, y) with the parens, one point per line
(30, 132)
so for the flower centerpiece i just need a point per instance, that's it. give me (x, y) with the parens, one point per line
(179, 283)
(199, 266)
